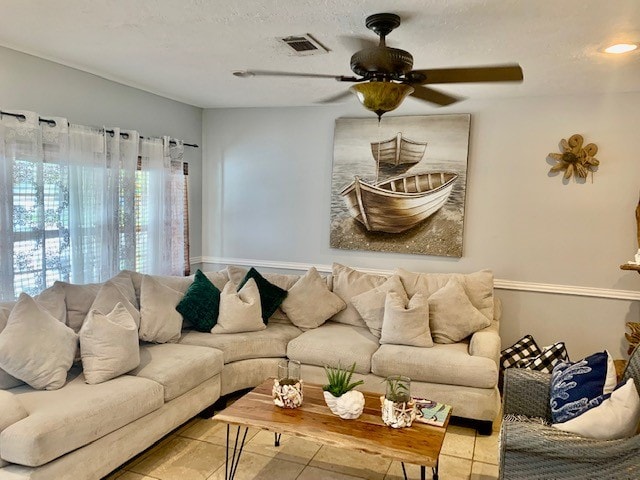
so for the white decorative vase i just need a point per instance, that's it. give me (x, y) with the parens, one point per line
(349, 406)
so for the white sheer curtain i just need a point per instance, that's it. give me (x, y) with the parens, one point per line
(81, 203)
(164, 189)
(102, 168)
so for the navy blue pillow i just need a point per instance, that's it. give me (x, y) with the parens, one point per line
(576, 387)
(271, 296)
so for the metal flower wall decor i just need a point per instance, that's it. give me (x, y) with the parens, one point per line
(575, 159)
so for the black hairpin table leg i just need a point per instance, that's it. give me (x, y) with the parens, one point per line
(230, 470)
(423, 472)
(277, 439)
(434, 469)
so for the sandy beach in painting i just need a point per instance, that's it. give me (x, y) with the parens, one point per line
(447, 149)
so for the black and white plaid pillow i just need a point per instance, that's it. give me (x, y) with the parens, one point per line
(549, 357)
(523, 349)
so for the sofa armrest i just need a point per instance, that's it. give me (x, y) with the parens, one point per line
(526, 392)
(486, 343)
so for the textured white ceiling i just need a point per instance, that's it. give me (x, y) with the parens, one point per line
(187, 49)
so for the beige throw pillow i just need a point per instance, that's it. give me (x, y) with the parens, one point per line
(109, 344)
(219, 279)
(347, 283)
(478, 286)
(112, 293)
(370, 305)
(79, 299)
(52, 300)
(239, 311)
(406, 324)
(160, 322)
(6, 380)
(310, 303)
(35, 347)
(452, 316)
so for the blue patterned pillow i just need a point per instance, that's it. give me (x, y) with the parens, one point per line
(578, 386)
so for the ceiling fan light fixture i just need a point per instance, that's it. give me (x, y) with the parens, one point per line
(381, 97)
(619, 48)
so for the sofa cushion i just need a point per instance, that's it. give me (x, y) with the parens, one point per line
(310, 303)
(52, 299)
(176, 282)
(452, 316)
(35, 347)
(406, 324)
(478, 286)
(269, 343)
(348, 283)
(11, 411)
(109, 344)
(178, 368)
(79, 298)
(200, 304)
(335, 344)
(160, 322)
(62, 420)
(282, 280)
(443, 363)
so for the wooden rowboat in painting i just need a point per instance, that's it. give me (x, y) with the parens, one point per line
(398, 151)
(400, 203)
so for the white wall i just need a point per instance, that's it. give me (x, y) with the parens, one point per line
(31, 83)
(266, 197)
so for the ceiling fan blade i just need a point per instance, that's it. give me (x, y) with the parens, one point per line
(433, 96)
(336, 98)
(270, 73)
(496, 73)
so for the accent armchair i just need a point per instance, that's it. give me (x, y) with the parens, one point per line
(532, 450)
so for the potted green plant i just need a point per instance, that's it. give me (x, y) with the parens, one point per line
(339, 393)
(398, 409)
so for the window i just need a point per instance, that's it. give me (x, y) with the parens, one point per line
(78, 204)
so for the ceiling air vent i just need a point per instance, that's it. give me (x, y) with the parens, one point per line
(303, 44)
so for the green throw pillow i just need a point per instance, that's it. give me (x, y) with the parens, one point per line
(200, 304)
(271, 296)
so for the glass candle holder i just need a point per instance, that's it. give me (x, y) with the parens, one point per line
(398, 409)
(287, 386)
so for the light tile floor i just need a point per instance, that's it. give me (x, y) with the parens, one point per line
(196, 451)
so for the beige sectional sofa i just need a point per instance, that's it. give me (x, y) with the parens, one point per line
(84, 431)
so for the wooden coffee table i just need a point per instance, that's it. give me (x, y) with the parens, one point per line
(419, 444)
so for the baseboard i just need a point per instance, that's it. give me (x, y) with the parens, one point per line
(500, 284)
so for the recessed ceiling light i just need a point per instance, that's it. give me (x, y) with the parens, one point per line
(621, 48)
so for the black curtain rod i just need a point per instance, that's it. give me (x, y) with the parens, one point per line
(52, 123)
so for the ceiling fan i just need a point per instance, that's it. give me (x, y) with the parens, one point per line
(385, 75)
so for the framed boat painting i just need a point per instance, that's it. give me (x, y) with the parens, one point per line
(399, 185)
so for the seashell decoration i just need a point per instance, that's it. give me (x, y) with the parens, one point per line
(575, 159)
(287, 395)
(397, 415)
(348, 406)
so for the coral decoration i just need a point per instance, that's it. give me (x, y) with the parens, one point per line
(575, 159)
